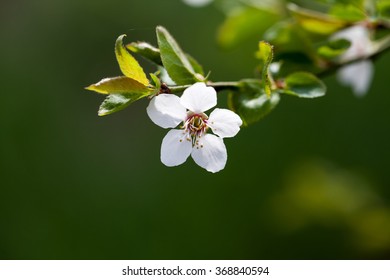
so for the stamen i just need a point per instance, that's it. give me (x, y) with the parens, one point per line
(195, 125)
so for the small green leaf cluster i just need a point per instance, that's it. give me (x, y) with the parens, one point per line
(253, 99)
(134, 84)
(123, 90)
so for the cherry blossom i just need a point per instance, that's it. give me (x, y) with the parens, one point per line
(192, 137)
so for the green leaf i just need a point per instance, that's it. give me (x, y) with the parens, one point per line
(146, 50)
(265, 54)
(251, 103)
(383, 8)
(334, 48)
(286, 36)
(117, 102)
(304, 85)
(247, 23)
(153, 54)
(350, 13)
(174, 60)
(119, 85)
(129, 66)
(156, 81)
(195, 64)
(314, 21)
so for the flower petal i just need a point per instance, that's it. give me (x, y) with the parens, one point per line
(175, 148)
(210, 153)
(358, 75)
(199, 98)
(166, 111)
(224, 123)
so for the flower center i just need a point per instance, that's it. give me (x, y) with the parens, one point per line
(196, 125)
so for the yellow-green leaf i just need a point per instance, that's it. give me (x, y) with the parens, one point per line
(265, 54)
(119, 85)
(129, 66)
(314, 21)
(383, 8)
(350, 13)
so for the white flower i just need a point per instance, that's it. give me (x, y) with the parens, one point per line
(197, 3)
(357, 75)
(207, 150)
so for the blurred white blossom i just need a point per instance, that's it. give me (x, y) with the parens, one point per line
(197, 3)
(357, 75)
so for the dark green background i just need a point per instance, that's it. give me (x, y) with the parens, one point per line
(310, 181)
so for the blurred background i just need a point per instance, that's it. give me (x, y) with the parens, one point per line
(310, 181)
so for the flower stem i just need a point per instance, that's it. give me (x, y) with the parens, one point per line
(223, 85)
(217, 85)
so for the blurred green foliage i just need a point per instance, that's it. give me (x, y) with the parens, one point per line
(76, 186)
(321, 194)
